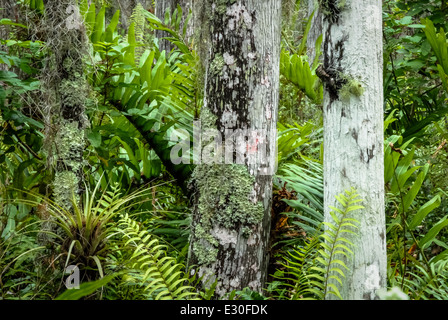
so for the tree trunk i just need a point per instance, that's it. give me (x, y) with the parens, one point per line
(162, 6)
(353, 139)
(8, 12)
(240, 51)
(65, 92)
(315, 30)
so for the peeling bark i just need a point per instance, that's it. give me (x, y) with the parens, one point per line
(231, 215)
(353, 135)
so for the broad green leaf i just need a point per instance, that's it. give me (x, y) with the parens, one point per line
(112, 27)
(424, 210)
(429, 237)
(94, 138)
(412, 193)
(85, 289)
(90, 18)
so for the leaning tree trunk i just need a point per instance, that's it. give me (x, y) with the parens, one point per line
(231, 214)
(65, 91)
(353, 139)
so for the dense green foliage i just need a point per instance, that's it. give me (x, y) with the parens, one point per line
(129, 233)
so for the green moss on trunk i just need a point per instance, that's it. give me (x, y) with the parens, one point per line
(225, 193)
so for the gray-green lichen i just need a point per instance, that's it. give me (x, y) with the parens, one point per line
(70, 142)
(208, 119)
(222, 5)
(73, 93)
(65, 189)
(217, 65)
(224, 200)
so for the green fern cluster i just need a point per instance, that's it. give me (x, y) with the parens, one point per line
(138, 22)
(151, 268)
(316, 269)
(295, 280)
(427, 283)
(336, 246)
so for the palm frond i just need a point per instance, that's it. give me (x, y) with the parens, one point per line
(308, 184)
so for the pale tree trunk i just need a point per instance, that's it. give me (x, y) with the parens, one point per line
(231, 215)
(353, 139)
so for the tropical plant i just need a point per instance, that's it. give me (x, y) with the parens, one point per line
(84, 231)
(292, 280)
(336, 247)
(152, 91)
(149, 265)
(427, 284)
(439, 45)
(314, 270)
(306, 181)
(409, 65)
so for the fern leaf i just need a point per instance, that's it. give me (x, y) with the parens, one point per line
(159, 274)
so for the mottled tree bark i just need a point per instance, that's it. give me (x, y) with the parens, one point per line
(8, 11)
(240, 50)
(353, 133)
(65, 92)
(161, 7)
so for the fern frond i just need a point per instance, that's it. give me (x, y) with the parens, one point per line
(298, 266)
(308, 183)
(154, 269)
(138, 20)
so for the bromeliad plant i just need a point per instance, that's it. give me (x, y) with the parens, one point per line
(84, 231)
